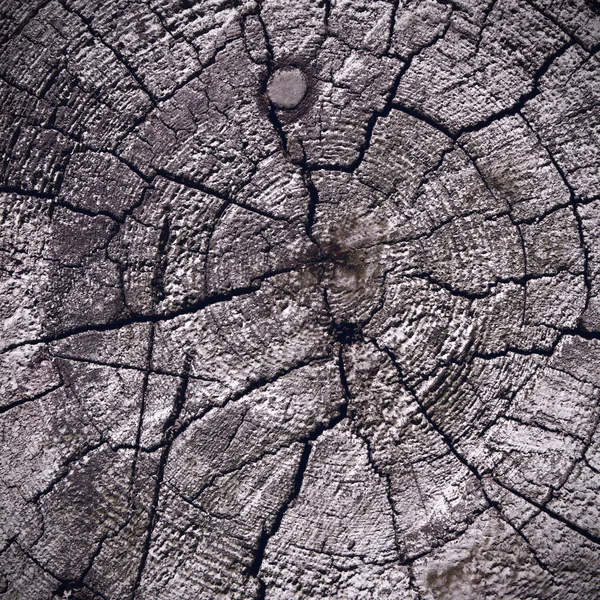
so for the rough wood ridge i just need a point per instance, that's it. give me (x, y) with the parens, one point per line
(300, 299)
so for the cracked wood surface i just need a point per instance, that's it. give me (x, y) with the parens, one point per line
(339, 344)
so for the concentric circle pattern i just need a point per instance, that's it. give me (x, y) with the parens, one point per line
(300, 299)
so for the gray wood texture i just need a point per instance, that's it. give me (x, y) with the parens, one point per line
(275, 334)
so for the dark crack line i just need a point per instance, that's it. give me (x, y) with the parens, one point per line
(469, 295)
(23, 192)
(120, 58)
(79, 583)
(423, 409)
(209, 191)
(266, 535)
(574, 207)
(190, 309)
(469, 355)
(67, 469)
(387, 481)
(171, 429)
(129, 367)
(512, 110)
(313, 194)
(21, 26)
(449, 442)
(390, 38)
(259, 555)
(411, 111)
(556, 22)
(64, 584)
(551, 513)
(271, 111)
(513, 222)
(142, 118)
(543, 427)
(253, 386)
(168, 436)
(519, 532)
(21, 401)
(384, 112)
(144, 391)
(157, 284)
(523, 98)
(62, 203)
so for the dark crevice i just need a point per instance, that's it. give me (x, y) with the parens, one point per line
(540, 425)
(144, 392)
(119, 56)
(524, 98)
(445, 437)
(326, 15)
(209, 191)
(189, 309)
(551, 513)
(271, 110)
(313, 196)
(519, 532)
(342, 334)
(192, 183)
(390, 38)
(157, 284)
(66, 469)
(411, 111)
(51, 80)
(372, 122)
(594, 5)
(169, 427)
(79, 583)
(512, 110)
(85, 211)
(254, 385)
(114, 364)
(571, 34)
(26, 192)
(514, 224)
(27, 399)
(480, 295)
(266, 535)
(472, 356)
(450, 443)
(168, 435)
(384, 476)
(23, 24)
(65, 584)
(574, 201)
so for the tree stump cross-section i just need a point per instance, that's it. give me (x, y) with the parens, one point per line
(300, 299)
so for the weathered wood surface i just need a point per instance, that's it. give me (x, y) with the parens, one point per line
(344, 344)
